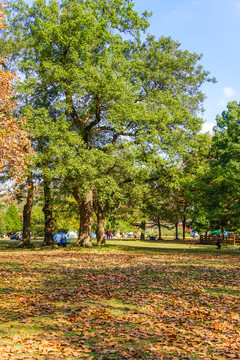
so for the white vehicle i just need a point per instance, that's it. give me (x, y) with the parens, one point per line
(194, 234)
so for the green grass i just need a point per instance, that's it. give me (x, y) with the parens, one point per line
(129, 244)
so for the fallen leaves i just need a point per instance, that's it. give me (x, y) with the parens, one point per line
(93, 305)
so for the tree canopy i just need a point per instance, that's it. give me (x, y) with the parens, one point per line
(15, 147)
(225, 168)
(107, 109)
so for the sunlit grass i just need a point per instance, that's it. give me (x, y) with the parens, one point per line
(128, 299)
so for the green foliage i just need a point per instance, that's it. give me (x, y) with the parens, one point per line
(176, 195)
(225, 169)
(12, 219)
(37, 221)
(105, 108)
(99, 89)
(218, 185)
(115, 223)
(66, 216)
(3, 228)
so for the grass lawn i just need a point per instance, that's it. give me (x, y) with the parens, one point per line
(127, 300)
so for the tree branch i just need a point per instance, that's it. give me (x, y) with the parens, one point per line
(96, 121)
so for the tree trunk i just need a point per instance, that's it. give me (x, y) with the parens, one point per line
(101, 216)
(86, 217)
(222, 232)
(118, 235)
(206, 236)
(143, 228)
(176, 227)
(159, 231)
(47, 209)
(184, 226)
(27, 210)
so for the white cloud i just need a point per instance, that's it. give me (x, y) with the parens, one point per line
(228, 92)
(208, 127)
(228, 95)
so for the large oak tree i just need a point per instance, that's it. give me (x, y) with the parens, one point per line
(96, 91)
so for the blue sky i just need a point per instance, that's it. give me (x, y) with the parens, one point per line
(208, 27)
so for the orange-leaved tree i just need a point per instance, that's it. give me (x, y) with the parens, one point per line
(15, 146)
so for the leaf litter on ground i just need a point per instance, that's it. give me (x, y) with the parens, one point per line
(95, 304)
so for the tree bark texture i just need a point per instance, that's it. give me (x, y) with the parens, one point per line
(47, 209)
(143, 228)
(184, 226)
(176, 227)
(222, 232)
(101, 216)
(206, 236)
(159, 230)
(27, 210)
(86, 217)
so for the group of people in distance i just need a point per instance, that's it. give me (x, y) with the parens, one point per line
(108, 234)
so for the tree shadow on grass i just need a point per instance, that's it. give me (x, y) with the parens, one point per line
(117, 306)
(184, 248)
